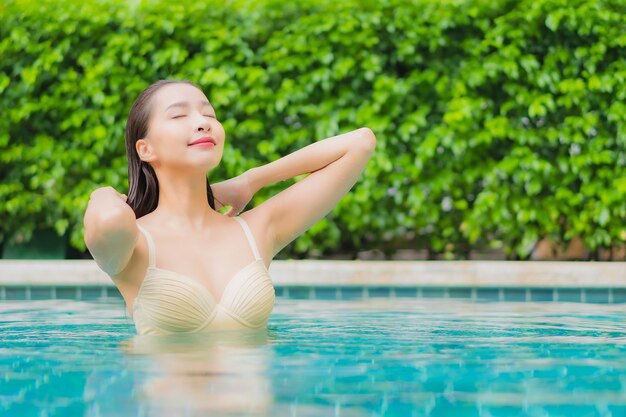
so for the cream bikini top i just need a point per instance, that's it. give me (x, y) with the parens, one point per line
(169, 302)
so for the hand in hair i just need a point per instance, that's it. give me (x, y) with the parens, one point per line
(235, 192)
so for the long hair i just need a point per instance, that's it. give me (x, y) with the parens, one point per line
(143, 185)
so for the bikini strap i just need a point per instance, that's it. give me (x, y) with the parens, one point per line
(151, 247)
(250, 237)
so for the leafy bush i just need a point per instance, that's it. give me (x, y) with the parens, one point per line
(498, 122)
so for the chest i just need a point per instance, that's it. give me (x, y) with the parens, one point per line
(212, 262)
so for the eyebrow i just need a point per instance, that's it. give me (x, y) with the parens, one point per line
(186, 104)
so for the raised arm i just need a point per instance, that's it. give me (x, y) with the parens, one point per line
(334, 165)
(110, 230)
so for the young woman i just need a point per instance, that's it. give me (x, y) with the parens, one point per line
(180, 265)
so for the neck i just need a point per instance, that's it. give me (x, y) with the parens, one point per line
(183, 201)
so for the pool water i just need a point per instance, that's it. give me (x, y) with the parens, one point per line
(383, 357)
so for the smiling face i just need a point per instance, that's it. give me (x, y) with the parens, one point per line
(180, 115)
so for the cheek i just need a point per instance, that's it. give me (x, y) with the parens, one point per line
(170, 133)
(167, 147)
(217, 125)
(174, 127)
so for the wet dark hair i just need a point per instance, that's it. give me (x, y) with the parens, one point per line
(143, 185)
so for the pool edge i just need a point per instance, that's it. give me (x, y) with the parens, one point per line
(318, 273)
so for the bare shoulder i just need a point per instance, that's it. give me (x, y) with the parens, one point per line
(132, 275)
(110, 230)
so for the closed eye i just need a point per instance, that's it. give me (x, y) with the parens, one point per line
(184, 115)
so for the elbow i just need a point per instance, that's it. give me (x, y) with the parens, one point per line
(367, 139)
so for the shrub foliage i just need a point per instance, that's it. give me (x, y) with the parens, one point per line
(499, 122)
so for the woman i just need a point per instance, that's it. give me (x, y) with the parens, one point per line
(180, 265)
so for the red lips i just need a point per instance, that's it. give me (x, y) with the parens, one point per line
(206, 139)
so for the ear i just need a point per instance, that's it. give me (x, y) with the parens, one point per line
(144, 150)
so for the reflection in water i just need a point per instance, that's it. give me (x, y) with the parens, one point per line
(389, 358)
(194, 374)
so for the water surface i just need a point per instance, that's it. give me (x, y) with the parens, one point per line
(384, 357)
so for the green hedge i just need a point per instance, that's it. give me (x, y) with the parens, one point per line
(498, 122)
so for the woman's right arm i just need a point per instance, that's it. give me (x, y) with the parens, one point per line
(110, 230)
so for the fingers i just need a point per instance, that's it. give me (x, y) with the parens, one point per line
(232, 212)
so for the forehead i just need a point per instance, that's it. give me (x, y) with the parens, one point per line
(177, 94)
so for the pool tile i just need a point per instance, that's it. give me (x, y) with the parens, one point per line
(351, 293)
(15, 293)
(66, 293)
(589, 295)
(379, 292)
(40, 293)
(514, 294)
(19, 407)
(325, 293)
(491, 294)
(569, 294)
(406, 292)
(450, 408)
(460, 292)
(542, 294)
(596, 295)
(113, 292)
(300, 293)
(502, 410)
(75, 408)
(619, 296)
(433, 292)
(570, 410)
(90, 293)
(11, 387)
(617, 410)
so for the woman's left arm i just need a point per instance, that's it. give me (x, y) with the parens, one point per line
(335, 165)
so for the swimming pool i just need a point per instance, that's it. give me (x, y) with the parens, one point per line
(376, 357)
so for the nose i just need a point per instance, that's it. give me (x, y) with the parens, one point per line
(203, 125)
